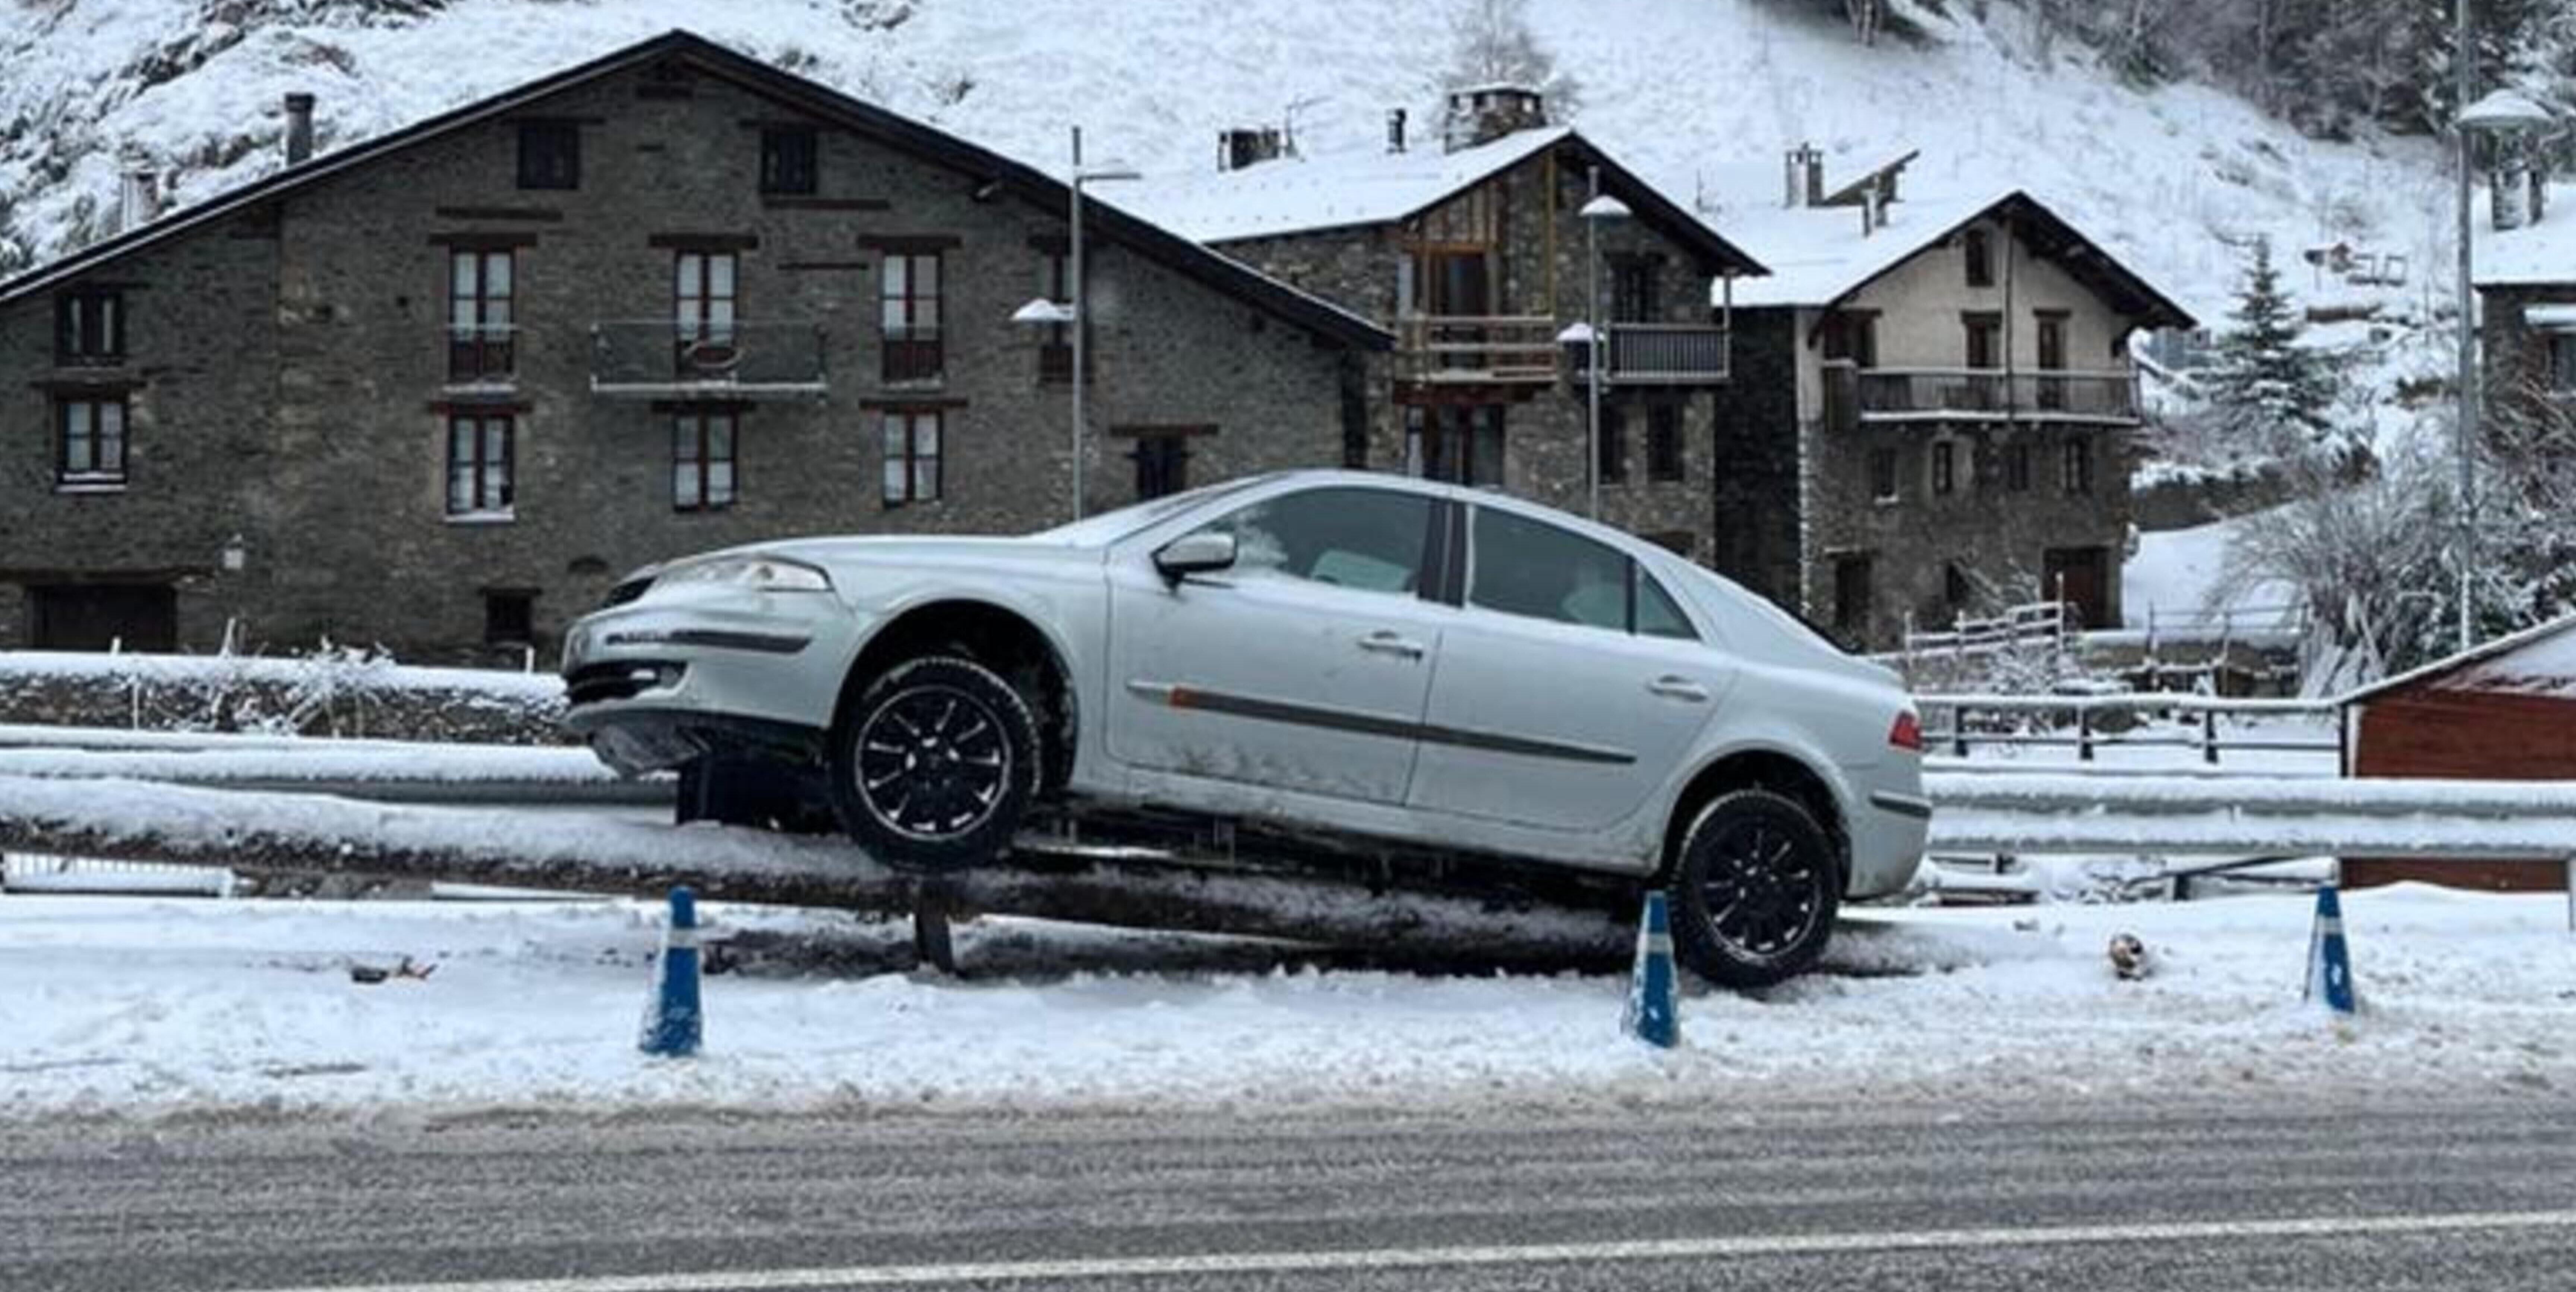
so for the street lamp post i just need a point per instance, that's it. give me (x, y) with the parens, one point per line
(1043, 312)
(1599, 208)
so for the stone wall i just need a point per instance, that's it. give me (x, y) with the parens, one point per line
(340, 694)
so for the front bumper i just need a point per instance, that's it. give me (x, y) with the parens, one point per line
(661, 681)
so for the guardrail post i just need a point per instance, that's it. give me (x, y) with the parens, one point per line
(1959, 731)
(2084, 733)
(2209, 736)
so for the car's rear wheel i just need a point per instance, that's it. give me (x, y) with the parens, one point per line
(1754, 890)
(935, 764)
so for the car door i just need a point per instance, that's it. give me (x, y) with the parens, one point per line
(1303, 667)
(1571, 684)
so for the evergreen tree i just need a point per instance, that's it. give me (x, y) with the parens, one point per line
(2272, 397)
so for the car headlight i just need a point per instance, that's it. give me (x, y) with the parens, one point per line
(757, 573)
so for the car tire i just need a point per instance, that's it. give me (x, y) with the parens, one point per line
(1754, 890)
(935, 764)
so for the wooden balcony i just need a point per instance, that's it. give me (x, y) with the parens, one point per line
(660, 359)
(1460, 349)
(1661, 354)
(1980, 394)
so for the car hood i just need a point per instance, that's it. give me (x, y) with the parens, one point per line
(907, 550)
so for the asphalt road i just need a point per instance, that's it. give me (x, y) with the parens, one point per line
(2101, 1197)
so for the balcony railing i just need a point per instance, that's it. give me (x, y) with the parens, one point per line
(661, 358)
(1896, 394)
(482, 354)
(1454, 349)
(1667, 354)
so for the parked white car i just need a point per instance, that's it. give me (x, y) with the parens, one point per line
(1357, 657)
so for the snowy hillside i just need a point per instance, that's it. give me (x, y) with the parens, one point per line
(1677, 87)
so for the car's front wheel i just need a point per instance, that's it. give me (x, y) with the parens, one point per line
(1754, 890)
(935, 764)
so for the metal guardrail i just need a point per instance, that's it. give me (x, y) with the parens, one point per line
(2075, 721)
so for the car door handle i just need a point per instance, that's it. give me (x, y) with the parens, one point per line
(1390, 643)
(1678, 687)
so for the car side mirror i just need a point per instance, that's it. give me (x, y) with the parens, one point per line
(1197, 553)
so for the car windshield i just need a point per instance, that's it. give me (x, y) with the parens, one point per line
(1110, 526)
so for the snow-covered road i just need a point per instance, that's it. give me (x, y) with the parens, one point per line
(137, 1007)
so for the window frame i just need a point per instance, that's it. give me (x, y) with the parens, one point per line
(1885, 476)
(1977, 256)
(1161, 457)
(493, 493)
(1982, 330)
(1635, 283)
(1430, 430)
(550, 154)
(89, 328)
(2017, 466)
(1435, 557)
(912, 348)
(94, 470)
(2075, 466)
(912, 457)
(471, 353)
(791, 161)
(694, 429)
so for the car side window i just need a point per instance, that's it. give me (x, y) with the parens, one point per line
(1529, 567)
(1369, 539)
(1657, 615)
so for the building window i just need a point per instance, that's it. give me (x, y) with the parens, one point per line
(703, 301)
(479, 449)
(912, 455)
(2017, 466)
(2076, 470)
(1852, 335)
(1945, 466)
(1984, 340)
(1458, 443)
(1977, 248)
(481, 286)
(787, 160)
(702, 459)
(509, 617)
(2562, 363)
(89, 439)
(910, 314)
(1632, 289)
(1955, 592)
(1851, 594)
(89, 328)
(549, 154)
(1614, 445)
(1882, 475)
(1162, 464)
(1664, 442)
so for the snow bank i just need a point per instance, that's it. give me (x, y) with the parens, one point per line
(125, 1007)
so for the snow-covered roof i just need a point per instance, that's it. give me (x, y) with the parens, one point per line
(1359, 187)
(2539, 660)
(1821, 255)
(2538, 253)
(1179, 253)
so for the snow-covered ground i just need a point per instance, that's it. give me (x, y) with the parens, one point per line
(121, 1006)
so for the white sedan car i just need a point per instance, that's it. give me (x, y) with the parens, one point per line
(1366, 659)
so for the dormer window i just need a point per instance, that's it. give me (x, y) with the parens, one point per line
(549, 154)
(89, 328)
(1978, 250)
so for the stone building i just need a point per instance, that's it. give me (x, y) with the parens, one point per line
(1475, 250)
(438, 390)
(1943, 386)
(2524, 266)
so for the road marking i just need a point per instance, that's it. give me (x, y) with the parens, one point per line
(1527, 1254)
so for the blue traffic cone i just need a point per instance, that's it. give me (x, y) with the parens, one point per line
(1652, 1015)
(673, 1021)
(2329, 962)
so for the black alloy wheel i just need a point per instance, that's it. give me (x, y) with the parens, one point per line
(935, 765)
(1755, 890)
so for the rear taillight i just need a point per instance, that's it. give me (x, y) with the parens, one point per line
(1907, 733)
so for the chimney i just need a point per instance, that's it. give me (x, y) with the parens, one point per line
(1246, 146)
(299, 127)
(138, 201)
(1803, 177)
(1488, 112)
(1395, 131)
